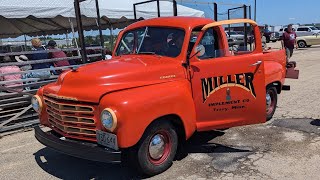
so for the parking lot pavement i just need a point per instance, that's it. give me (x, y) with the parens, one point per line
(287, 147)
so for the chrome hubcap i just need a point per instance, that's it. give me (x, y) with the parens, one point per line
(156, 146)
(268, 100)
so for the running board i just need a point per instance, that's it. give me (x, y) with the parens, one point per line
(286, 87)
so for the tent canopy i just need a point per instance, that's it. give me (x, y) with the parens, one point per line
(40, 17)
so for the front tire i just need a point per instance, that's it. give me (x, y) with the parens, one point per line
(156, 150)
(272, 100)
(302, 44)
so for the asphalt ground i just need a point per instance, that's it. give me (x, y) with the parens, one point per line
(287, 147)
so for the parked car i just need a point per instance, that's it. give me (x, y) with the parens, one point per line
(282, 30)
(308, 41)
(271, 36)
(238, 37)
(140, 105)
(235, 35)
(307, 31)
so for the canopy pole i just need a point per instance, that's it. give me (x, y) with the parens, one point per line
(74, 36)
(111, 36)
(67, 39)
(175, 10)
(100, 30)
(25, 42)
(80, 30)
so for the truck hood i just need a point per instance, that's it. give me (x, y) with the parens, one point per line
(90, 82)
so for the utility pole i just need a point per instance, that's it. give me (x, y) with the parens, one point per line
(255, 10)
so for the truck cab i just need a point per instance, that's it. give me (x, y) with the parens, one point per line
(161, 85)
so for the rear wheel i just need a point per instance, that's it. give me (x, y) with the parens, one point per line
(302, 44)
(156, 150)
(271, 99)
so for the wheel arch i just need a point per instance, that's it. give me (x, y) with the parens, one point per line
(276, 84)
(302, 40)
(176, 121)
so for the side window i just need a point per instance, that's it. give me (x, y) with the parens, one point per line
(303, 29)
(211, 45)
(241, 38)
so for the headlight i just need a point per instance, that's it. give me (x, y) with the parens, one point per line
(108, 119)
(36, 103)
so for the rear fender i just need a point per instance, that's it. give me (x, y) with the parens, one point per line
(137, 108)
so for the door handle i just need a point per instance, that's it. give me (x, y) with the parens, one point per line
(256, 64)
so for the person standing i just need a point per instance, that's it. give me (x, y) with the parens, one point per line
(289, 41)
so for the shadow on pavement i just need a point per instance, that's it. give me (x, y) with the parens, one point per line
(67, 167)
(315, 122)
(200, 143)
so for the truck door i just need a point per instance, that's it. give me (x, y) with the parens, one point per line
(228, 90)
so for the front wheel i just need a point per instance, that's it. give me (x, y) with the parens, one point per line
(156, 150)
(271, 99)
(302, 44)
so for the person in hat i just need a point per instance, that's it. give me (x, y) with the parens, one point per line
(175, 45)
(11, 77)
(23, 58)
(57, 53)
(37, 46)
(37, 56)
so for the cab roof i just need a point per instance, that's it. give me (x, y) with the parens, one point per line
(174, 21)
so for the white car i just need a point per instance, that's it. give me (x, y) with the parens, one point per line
(307, 41)
(307, 31)
(235, 35)
(282, 30)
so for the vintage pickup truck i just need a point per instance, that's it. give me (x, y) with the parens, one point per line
(158, 89)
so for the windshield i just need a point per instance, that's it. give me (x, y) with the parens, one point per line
(152, 40)
(313, 28)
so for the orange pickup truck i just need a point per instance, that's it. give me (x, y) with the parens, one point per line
(160, 87)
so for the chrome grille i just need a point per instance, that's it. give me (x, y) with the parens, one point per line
(71, 118)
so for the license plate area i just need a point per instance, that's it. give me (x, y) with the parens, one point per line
(107, 139)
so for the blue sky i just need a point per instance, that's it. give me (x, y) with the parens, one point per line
(273, 12)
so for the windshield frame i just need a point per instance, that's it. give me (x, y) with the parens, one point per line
(137, 45)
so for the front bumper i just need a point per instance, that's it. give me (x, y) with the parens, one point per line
(83, 150)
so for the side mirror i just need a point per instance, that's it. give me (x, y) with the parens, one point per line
(199, 50)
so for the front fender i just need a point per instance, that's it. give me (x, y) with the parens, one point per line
(274, 72)
(136, 108)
